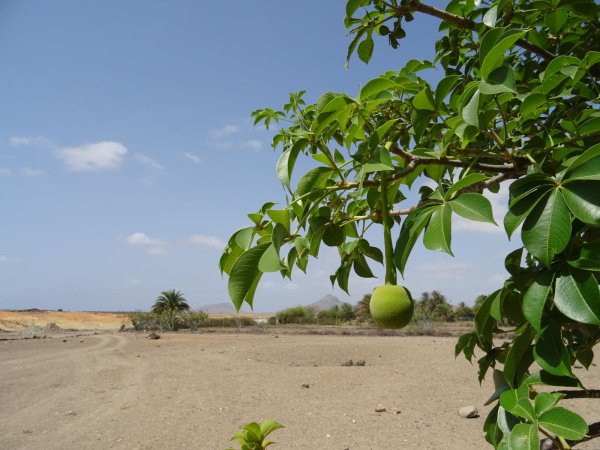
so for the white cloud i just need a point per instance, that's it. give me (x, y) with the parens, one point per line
(206, 241)
(6, 259)
(134, 282)
(32, 172)
(142, 239)
(155, 246)
(224, 145)
(290, 287)
(27, 141)
(4, 171)
(227, 130)
(148, 162)
(444, 270)
(193, 158)
(253, 144)
(95, 156)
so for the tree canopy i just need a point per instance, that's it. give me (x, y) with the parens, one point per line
(518, 104)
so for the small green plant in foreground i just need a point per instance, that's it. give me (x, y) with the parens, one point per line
(253, 436)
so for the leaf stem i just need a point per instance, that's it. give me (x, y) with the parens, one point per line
(390, 268)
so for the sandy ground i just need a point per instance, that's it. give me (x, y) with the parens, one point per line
(21, 321)
(94, 388)
(123, 391)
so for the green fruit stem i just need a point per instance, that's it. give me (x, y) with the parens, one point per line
(390, 268)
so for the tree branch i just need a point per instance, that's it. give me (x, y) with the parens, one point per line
(466, 24)
(570, 394)
(503, 171)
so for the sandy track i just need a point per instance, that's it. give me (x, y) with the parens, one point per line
(194, 391)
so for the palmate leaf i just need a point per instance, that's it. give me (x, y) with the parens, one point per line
(547, 229)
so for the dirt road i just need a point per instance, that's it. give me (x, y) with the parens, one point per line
(123, 391)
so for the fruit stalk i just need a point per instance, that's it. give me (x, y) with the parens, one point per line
(390, 268)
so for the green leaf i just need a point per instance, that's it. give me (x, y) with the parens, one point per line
(545, 401)
(281, 216)
(269, 261)
(244, 274)
(438, 232)
(374, 87)
(466, 181)
(244, 237)
(484, 322)
(577, 296)
(287, 160)
(365, 49)
(383, 129)
(583, 200)
(473, 207)
(544, 378)
(547, 230)
(352, 6)
(495, 57)
(535, 298)
(588, 171)
(333, 235)
(533, 105)
(587, 258)
(444, 87)
(563, 422)
(510, 398)
(424, 100)
(268, 426)
(524, 436)
(556, 19)
(313, 179)
(551, 354)
(409, 233)
(500, 80)
(361, 267)
(489, 18)
(470, 113)
(519, 351)
(359, 34)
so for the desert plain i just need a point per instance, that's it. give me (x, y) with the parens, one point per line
(93, 387)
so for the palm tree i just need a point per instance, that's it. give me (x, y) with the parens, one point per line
(363, 311)
(346, 312)
(170, 303)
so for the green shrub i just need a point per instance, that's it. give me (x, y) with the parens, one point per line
(194, 320)
(328, 317)
(144, 321)
(296, 314)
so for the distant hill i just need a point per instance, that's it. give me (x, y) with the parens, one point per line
(326, 302)
(220, 308)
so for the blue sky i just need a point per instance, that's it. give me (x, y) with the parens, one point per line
(128, 157)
